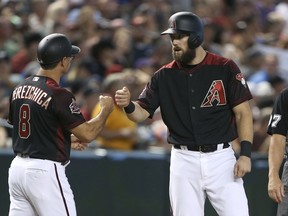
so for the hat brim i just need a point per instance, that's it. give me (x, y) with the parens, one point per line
(170, 31)
(75, 50)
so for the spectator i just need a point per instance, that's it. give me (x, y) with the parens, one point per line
(90, 97)
(38, 20)
(103, 60)
(252, 62)
(27, 53)
(269, 70)
(119, 132)
(261, 138)
(6, 79)
(6, 33)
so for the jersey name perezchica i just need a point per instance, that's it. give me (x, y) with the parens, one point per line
(196, 103)
(42, 113)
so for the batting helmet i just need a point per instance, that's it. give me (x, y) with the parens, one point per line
(55, 47)
(187, 23)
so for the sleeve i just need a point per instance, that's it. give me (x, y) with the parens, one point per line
(67, 110)
(278, 123)
(238, 88)
(149, 98)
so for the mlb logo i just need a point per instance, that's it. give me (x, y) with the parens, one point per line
(35, 79)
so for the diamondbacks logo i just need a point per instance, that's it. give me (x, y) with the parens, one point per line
(74, 108)
(173, 24)
(215, 95)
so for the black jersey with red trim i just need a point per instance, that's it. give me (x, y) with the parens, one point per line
(278, 123)
(42, 114)
(196, 104)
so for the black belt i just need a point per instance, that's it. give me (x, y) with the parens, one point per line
(202, 148)
(28, 156)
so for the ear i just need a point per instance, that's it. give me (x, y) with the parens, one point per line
(63, 61)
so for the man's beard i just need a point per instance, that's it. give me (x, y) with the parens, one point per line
(184, 58)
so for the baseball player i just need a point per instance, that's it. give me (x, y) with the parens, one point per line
(44, 116)
(278, 129)
(204, 102)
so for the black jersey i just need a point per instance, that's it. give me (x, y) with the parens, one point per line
(196, 104)
(278, 123)
(42, 113)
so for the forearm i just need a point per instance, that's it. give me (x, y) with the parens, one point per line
(276, 154)
(244, 125)
(96, 125)
(139, 114)
(88, 131)
(132, 109)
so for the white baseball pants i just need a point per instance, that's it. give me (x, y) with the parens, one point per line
(195, 175)
(39, 187)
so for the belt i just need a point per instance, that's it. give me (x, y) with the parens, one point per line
(203, 148)
(28, 156)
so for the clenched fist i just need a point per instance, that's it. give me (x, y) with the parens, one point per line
(123, 97)
(106, 102)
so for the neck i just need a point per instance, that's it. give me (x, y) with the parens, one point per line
(200, 55)
(52, 74)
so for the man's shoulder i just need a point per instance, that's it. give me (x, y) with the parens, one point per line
(172, 64)
(213, 58)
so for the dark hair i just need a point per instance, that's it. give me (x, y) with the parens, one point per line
(31, 37)
(50, 66)
(98, 48)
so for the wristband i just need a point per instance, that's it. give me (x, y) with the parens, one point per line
(245, 148)
(130, 108)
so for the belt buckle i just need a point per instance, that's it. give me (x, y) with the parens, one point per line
(201, 148)
(204, 149)
(22, 155)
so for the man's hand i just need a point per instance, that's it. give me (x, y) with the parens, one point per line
(242, 166)
(106, 102)
(123, 97)
(78, 145)
(276, 189)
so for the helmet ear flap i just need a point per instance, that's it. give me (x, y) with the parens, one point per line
(194, 41)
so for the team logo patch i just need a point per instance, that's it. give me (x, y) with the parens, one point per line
(74, 108)
(173, 25)
(240, 77)
(216, 95)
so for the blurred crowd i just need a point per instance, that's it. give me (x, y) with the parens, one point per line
(121, 45)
